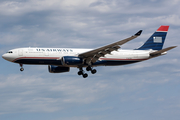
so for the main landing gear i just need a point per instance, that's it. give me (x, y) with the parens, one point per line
(81, 72)
(89, 68)
(85, 75)
(21, 69)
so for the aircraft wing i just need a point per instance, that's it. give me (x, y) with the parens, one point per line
(94, 55)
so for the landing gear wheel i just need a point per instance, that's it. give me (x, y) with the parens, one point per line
(80, 72)
(93, 71)
(21, 69)
(88, 68)
(21, 65)
(85, 75)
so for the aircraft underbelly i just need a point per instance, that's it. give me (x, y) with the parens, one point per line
(39, 61)
(106, 62)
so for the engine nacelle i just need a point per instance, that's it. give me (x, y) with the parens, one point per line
(57, 69)
(71, 60)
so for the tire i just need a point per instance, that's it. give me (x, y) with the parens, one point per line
(88, 68)
(85, 75)
(80, 73)
(21, 69)
(93, 71)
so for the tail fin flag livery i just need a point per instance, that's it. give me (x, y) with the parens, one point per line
(156, 41)
(59, 60)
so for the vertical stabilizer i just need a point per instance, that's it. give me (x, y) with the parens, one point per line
(156, 41)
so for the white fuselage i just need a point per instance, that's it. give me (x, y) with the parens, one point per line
(52, 56)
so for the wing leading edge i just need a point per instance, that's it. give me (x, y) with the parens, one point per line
(93, 55)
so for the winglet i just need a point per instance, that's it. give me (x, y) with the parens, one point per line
(138, 33)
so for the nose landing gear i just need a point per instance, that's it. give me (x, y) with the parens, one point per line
(21, 69)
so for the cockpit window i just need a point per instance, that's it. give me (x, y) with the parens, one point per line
(9, 52)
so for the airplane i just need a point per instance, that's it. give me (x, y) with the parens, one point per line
(60, 60)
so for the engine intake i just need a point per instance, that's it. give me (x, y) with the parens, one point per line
(57, 69)
(71, 60)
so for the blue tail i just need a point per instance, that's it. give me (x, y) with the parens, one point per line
(156, 41)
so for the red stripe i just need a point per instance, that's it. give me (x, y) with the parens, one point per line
(163, 28)
(36, 58)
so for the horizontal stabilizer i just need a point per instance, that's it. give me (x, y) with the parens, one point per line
(157, 53)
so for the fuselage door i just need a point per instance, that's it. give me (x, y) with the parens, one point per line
(20, 52)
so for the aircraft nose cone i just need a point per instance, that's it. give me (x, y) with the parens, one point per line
(3, 56)
(8, 57)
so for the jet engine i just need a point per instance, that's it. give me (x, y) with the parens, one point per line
(57, 69)
(71, 60)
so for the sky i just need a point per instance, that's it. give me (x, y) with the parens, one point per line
(147, 90)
